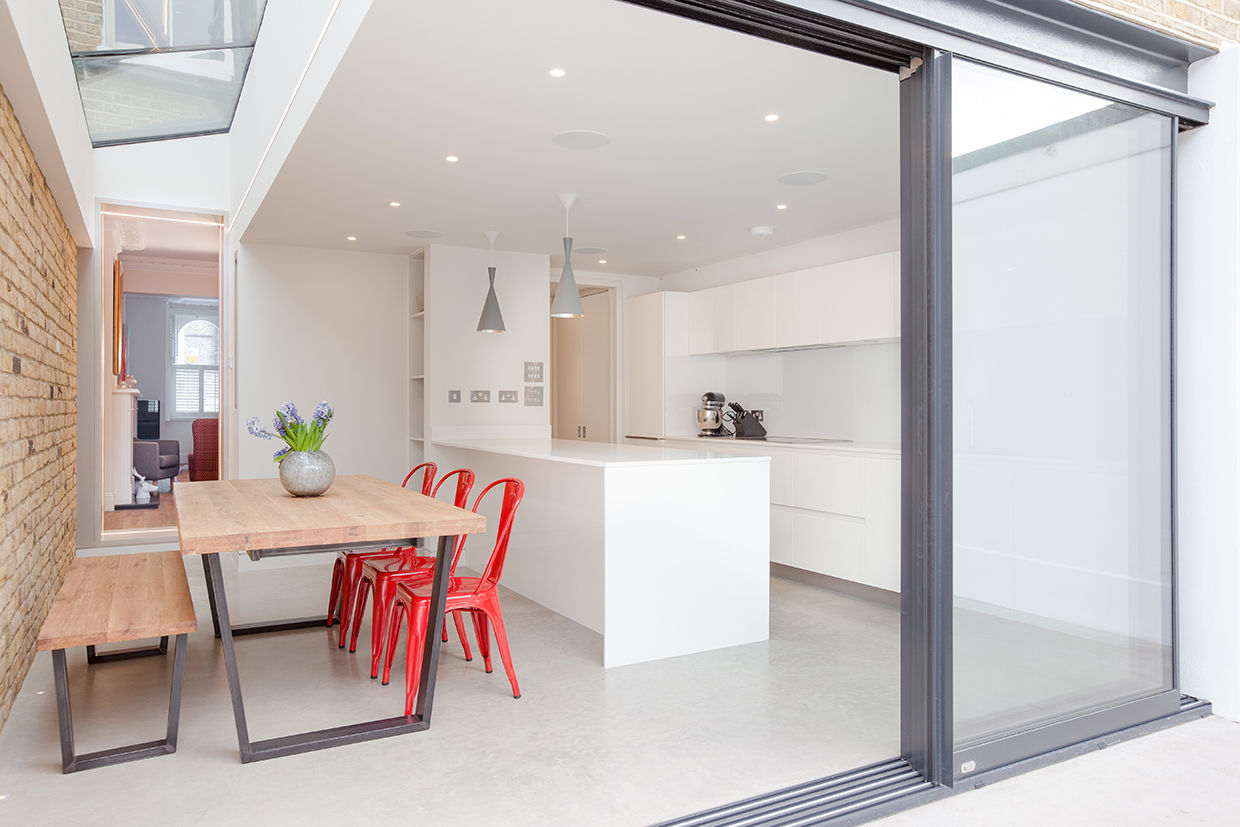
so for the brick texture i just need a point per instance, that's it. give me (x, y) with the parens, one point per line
(38, 408)
(1211, 22)
(83, 24)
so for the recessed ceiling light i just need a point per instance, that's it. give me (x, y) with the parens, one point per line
(423, 233)
(781, 206)
(680, 238)
(393, 203)
(557, 72)
(592, 251)
(351, 238)
(802, 178)
(581, 139)
(771, 118)
(452, 159)
(602, 261)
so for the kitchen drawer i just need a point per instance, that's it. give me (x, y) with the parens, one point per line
(783, 536)
(829, 482)
(830, 545)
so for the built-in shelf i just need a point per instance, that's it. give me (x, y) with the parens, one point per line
(418, 315)
(415, 378)
(416, 439)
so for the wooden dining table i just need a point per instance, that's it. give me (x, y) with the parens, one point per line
(358, 512)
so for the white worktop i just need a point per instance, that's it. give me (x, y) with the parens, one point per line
(724, 444)
(581, 452)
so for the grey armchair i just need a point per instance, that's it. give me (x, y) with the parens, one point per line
(157, 459)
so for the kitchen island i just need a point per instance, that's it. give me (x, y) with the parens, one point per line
(663, 551)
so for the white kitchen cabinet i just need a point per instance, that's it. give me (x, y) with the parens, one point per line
(829, 482)
(783, 536)
(753, 319)
(831, 544)
(833, 304)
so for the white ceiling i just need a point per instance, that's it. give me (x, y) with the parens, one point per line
(145, 232)
(682, 102)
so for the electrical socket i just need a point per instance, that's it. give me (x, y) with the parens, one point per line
(533, 371)
(507, 396)
(479, 396)
(533, 396)
(454, 396)
(757, 414)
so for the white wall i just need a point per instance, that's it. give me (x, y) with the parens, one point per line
(835, 393)
(183, 174)
(458, 357)
(1208, 411)
(324, 324)
(38, 80)
(844, 246)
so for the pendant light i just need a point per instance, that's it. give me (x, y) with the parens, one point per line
(491, 320)
(567, 303)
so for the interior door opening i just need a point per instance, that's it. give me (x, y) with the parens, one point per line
(163, 344)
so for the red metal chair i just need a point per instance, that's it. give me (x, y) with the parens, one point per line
(348, 566)
(477, 595)
(381, 574)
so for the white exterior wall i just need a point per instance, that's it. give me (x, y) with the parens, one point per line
(1208, 411)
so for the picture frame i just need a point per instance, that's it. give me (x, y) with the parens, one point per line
(118, 294)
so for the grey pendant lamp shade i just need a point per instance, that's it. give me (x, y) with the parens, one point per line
(567, 303)
(491, 320)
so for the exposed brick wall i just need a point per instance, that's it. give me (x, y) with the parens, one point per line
(83, 24)
(1206, 21)
(38, 408)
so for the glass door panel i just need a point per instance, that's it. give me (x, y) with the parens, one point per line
(1061, 225)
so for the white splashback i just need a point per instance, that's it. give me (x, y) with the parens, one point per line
(835, 393)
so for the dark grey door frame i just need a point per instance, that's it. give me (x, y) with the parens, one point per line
(926, 419)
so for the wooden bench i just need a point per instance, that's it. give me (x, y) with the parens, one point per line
(113, 599)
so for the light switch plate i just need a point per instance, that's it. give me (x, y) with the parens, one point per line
(533, 396)
(479, 396)
(454, 396)
(507, 396)
(533, 372)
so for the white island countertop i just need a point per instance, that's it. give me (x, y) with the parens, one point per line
(601, 454)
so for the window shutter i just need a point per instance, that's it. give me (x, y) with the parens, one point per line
(187, 387)
(210, 391)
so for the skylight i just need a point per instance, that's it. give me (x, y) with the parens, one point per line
(153, 69)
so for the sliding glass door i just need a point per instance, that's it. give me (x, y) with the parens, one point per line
(1061, 424)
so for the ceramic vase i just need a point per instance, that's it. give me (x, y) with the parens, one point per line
(307, 473)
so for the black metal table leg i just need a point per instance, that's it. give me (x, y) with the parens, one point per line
(71, 762)
(334, 736)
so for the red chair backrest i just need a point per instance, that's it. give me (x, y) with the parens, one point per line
(464, 484)
(206, 433)
(513, 491)
(430, 469)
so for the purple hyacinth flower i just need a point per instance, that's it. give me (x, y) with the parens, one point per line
(279, 455)
(323, 413)
(290, 413)
(253, 427)
(281, 431)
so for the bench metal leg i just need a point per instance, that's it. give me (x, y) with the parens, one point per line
(94, 657)
(350, 733)
(71, 762)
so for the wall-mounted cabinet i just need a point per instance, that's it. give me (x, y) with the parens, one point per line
(834, 304)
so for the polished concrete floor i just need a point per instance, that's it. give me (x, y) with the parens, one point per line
(1189, 774)
(583, 746)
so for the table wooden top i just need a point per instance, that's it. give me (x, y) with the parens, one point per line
(247, 515)
(119, 597)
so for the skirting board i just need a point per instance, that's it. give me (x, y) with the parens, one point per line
(837, 584)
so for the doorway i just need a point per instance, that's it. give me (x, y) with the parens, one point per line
(582, 379)
(162, 378)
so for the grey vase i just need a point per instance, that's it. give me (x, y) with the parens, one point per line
(307, 473)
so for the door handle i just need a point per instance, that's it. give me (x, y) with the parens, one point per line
(583, 431)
